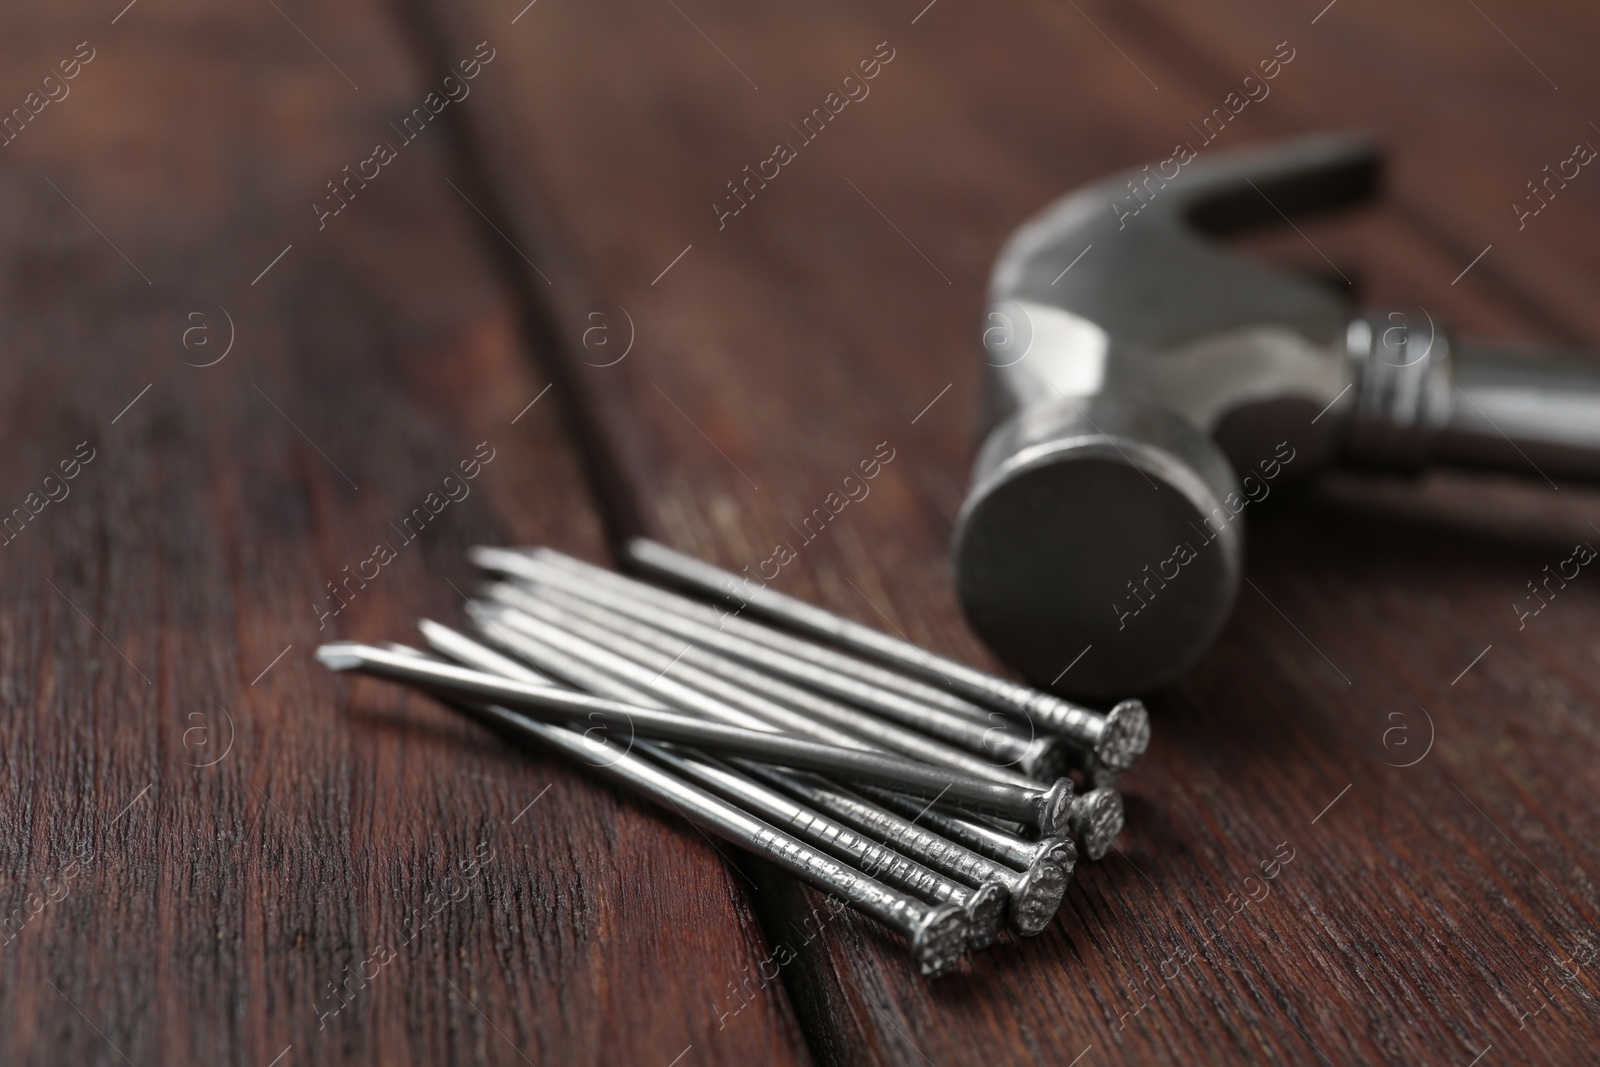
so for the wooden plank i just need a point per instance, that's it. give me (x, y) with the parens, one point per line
(777, 347)
(204, 832)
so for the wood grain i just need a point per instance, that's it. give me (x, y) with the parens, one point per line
(224, 827)
(1428, 909)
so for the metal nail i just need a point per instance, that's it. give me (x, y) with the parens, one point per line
(458, 646)
(1095, 819)
(699, 693)
(842, 719)
(985, 906)
(515, 563)
(1033, 899)
(1040, 757)
(1116, 738)
(695, 690)
(977, 835)
(1046, 807)
(938, 934)
(1035, 893)
(647, 666)
(525, 632)
(737, 623)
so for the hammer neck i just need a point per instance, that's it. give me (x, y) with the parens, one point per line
(1423, 397)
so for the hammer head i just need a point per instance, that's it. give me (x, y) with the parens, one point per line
(1144, 384)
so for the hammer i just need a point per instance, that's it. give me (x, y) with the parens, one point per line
(1145, 384)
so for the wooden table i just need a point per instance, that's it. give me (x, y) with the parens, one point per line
(1364, 831)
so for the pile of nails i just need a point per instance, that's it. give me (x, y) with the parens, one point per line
(933, 797)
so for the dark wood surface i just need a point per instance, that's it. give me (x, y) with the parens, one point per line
(1428, 910)
(246, 825)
